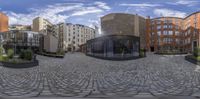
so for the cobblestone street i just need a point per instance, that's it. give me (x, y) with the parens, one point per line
(78, 75)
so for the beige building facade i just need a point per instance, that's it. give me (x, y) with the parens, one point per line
(41, 25)
(50, 39)
(124, 24)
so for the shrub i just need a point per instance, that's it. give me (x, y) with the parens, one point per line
(60, 53)
(22, 54)
(28, 55)
(142, 52)
(196, 52)
(10, 53)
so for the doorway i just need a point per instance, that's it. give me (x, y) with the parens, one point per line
(152, 49)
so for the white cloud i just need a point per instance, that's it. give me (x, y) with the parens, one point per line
(169, 12)
(94, 21)
(55, 13)
(87, 10)
(141, 5)
(51, 12)
(102, 5)
(188, 3)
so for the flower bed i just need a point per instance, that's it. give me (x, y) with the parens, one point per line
(52, 55)
(20, 64)
(193, 59)
(23, 60)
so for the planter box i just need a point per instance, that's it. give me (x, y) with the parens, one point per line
(115, 58)
(51, 55)
(192, 60)
(20, 65)
(169, 53)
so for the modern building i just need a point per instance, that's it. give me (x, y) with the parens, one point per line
(40, 25)
(20, 40)
(76, 35)
(122, 37)
(20, 27)
(173, 34)
(3, 22)
(124, 24)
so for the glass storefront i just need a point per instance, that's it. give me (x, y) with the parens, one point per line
(114, 47)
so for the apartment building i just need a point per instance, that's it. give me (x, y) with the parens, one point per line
(41, 25)
(179, 35)
(20, 27)
(50, 38)
(166, 34)
(77, 35)
(3, 22)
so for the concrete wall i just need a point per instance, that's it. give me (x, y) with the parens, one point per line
(50, 43)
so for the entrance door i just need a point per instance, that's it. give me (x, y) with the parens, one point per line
(152, 49)
(194, 45)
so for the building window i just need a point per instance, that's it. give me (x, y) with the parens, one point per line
(170, 26)
(165, 26)
(170, 33)
(159, 33)
(158, 27)
(177, 27)
(177, 33)
(177, 41)
(165, 32)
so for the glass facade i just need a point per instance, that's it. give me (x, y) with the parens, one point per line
(114, 47)
(20, 40)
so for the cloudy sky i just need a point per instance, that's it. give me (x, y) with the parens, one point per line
(88, 12)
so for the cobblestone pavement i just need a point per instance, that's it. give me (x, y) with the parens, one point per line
(78, 75)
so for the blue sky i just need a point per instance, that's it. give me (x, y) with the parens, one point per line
(88, 12)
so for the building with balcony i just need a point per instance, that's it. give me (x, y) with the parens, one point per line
(166, 34)
(3, 22)
(76, 35)
(50, 40)
(41, 25)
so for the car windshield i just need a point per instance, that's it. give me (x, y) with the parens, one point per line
(93, 49)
